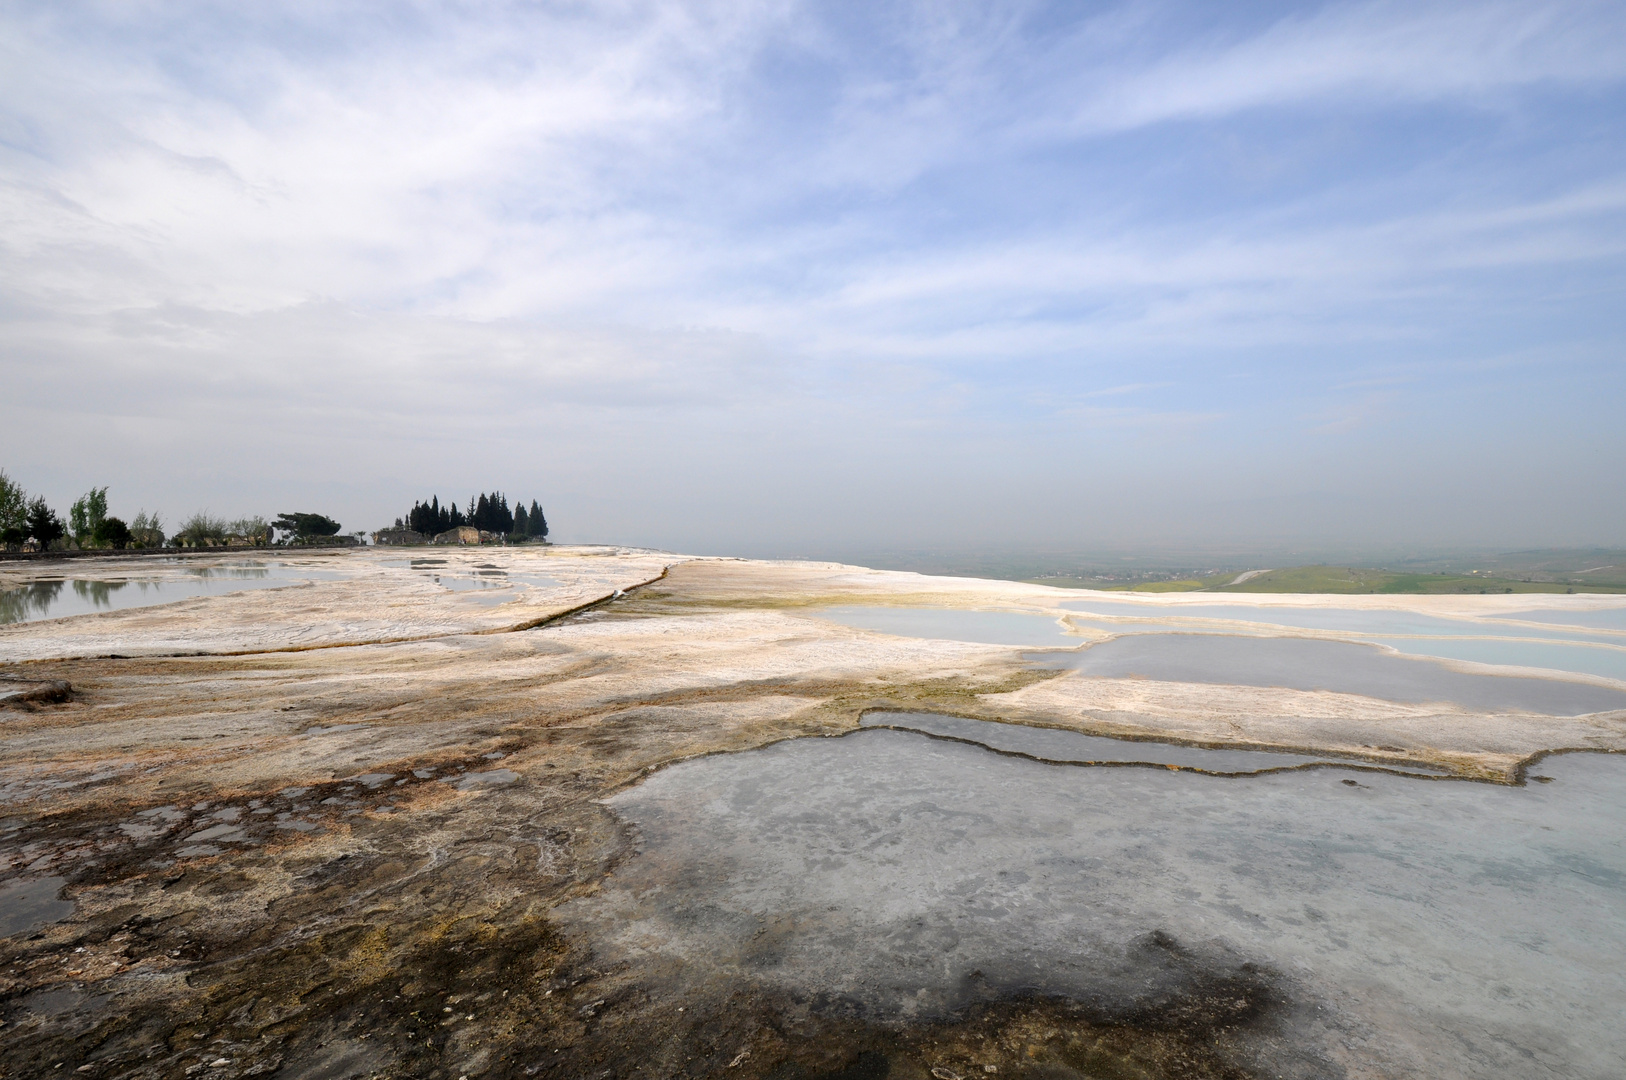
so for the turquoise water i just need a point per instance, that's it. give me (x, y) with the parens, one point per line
(1344, 620)
(1252, 659)
(1604, 619)
(1339, 666)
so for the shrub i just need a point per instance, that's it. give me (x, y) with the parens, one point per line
(111, 532)
(201, 530)
(254, 528)
(147, 531)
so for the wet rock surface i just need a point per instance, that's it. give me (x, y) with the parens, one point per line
(316, 858)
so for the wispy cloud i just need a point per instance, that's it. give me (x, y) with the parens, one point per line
(736, 225)
(1370, 55)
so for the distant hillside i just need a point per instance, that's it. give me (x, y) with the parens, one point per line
(1598, 571)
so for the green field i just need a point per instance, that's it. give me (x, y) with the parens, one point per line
(1591, 571)
(1339, 579)
(1182, 584)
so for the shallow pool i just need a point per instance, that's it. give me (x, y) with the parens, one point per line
(1338, 666)
(1405, 926)
(55, 598)
(1598, 618)
(487, 585)
(1605, 661)
(1338, 620)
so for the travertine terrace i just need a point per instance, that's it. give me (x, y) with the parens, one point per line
(320, 831)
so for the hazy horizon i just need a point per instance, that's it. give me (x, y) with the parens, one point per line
(784, 278)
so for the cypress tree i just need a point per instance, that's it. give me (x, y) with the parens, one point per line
(488, 512)
(43, 524)
(538, 524)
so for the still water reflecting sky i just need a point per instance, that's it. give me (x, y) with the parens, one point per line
(56, 598)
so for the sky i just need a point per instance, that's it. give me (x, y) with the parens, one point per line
(804, 279)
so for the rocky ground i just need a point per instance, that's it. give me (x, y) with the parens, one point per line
(319, 831)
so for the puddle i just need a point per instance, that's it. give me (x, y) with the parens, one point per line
(1415, 928)
(1059, 747)
(61, 597)
(953, 624)
(536, 581)
(471, 582)
(1342, 667)
(59, 1003)
(25, 906)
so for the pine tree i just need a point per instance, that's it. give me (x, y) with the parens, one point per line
(520, 526)
(43, 524)
(538, 524)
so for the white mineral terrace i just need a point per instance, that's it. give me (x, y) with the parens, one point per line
(1371, 818)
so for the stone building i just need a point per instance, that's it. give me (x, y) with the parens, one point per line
(399, 536)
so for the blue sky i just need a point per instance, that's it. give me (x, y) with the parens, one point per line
(785, 277)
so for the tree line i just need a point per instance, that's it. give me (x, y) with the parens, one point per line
(25, 520)
(488, 513)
